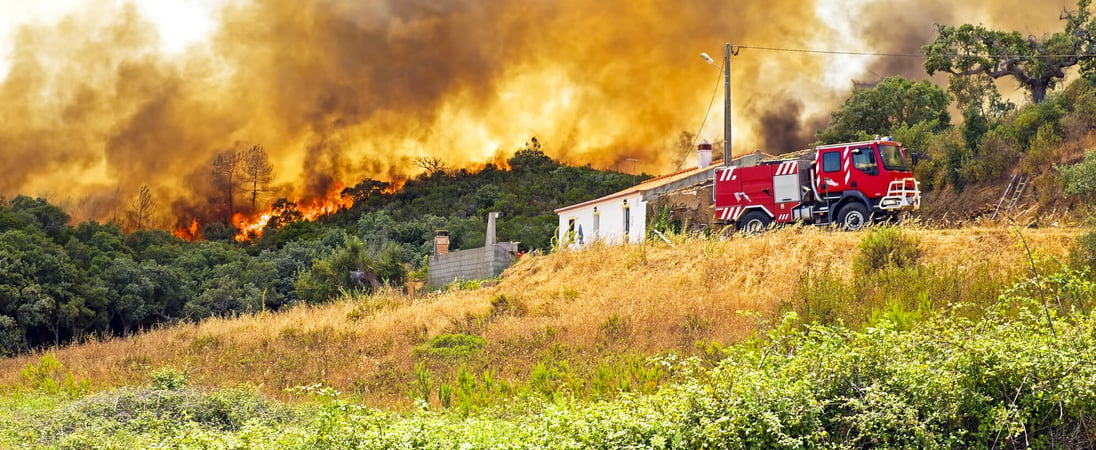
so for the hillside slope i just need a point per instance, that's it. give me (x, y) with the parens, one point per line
(572, 310)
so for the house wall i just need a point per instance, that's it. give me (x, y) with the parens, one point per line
(471, 264)
(607, 225)
(690, 208)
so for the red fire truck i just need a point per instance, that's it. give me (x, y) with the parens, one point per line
(849, 185)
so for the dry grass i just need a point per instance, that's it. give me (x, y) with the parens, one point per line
(592, 303)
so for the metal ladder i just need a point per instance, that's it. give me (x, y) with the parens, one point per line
(1015, 189)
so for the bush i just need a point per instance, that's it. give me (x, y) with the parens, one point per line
(169, 379)
(1080, 179)
(102, 420)
(887, 247)
(451, 346)
(49, 376)
(1082, 254)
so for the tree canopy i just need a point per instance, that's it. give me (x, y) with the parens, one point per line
(894, 103)
(1037, 63)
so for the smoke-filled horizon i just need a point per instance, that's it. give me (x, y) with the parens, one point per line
(338, 91)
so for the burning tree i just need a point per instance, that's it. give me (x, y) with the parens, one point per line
(142, 209)
(249, 171)
(226, 179)
(257, 174)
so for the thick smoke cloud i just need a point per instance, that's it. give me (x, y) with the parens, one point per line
(337, 91)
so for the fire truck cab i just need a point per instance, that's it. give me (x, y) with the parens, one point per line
(850, 185)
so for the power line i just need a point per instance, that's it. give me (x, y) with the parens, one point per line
(832, 52)
(902, 55)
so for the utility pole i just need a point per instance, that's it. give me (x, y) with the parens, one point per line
(633, 160)
(727, 105)
(727, 53)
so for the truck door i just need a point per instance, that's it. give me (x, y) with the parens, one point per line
(829, 178)
(865, 175)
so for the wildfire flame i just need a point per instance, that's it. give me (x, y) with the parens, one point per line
(188, 232)
(252, 226)
(394, 186)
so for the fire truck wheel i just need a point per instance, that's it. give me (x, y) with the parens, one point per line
(853, 217)
(754, 222)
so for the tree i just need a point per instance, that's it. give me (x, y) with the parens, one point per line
(41, 215)
(226, 179)
(978, 93)
(431, 164)
(129, 290)
(142, 209)
(1036, 63)
(531, 159)
(888, 106)
(257, 173)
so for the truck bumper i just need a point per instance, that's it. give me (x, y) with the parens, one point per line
(902, 194)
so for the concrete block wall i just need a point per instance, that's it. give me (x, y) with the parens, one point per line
(471, 264)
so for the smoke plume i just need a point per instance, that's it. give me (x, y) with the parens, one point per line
(337, 91)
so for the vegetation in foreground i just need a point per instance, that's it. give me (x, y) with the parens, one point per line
(907, 365)
(1021, 376)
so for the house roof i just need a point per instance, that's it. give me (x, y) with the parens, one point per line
(659, 181)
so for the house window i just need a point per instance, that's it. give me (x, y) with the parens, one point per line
(570, 237)
(627, 218)
(597, 223)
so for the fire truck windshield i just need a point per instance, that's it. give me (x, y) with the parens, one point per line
(894, 158)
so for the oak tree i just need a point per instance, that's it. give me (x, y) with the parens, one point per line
(1037, 63)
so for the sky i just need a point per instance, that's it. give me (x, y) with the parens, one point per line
(104, 96)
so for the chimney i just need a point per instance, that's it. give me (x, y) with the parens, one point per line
(441, 242)
(703, 154)
(491, 239)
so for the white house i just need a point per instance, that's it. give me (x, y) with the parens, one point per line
(622, 216)
(615, 218)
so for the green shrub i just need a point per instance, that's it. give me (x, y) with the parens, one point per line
(169, 379)
(822, 297)
(153, 411)
(887, 247)
(49, 376)
(451, 346)
(1080, 179)
(502, 305)
(615, 329)
(1082, 254)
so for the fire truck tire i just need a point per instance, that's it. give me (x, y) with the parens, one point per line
(754, 222)
(853, 217)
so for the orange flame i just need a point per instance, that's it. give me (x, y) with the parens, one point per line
(189, 232)
(252, 226)
(395, 186)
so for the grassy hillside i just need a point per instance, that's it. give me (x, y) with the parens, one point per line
(581, 322)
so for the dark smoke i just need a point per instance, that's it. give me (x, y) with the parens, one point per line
(783, 131)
